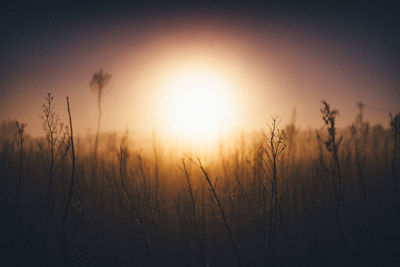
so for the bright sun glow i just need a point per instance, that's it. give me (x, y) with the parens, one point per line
(199, 105)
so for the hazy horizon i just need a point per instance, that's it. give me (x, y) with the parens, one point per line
(273, 64)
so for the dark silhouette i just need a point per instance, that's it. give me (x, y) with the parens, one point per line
(100, 81)
(258, 202)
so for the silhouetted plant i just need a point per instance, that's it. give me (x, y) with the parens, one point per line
(332, 144)
(225, 223)
(56, 149)
(131, 201)
(358, 132)
(193, 202)
(100, 81)
(20, 134)
(71, 186)
(395, 125)
(291, 133)
(275, 143)
(157, 157)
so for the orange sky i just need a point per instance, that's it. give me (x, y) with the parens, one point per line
(274, 65)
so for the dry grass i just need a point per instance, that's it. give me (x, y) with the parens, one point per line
(278, 198)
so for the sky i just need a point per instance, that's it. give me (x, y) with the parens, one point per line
(276, 56)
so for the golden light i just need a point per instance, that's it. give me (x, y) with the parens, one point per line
(198, 104)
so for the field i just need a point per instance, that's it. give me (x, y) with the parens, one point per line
(277, 197)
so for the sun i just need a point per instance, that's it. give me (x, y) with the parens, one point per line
(199, 104)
